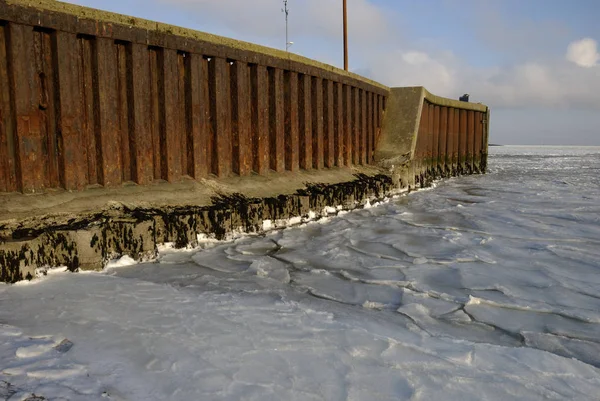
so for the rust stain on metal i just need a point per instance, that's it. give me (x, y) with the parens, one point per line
(276, 120)
(305, 121)
(450, 139)
(328, 140)
(470, 139)
(338, 123)
(317, 122)
(443, 140)
(291, 109)
(347, 124)
(478, 140)
(356, 126)
(260, 118)
(462, 150)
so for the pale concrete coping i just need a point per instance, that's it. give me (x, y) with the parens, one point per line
(444, 101)
(401, 124)
(109, 17)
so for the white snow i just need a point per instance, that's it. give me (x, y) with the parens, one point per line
(123, 261)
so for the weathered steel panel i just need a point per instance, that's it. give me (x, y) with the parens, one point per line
(141, 114)
(305, 121)
(470, 139)
(220, 100)
(198, 118)
(317, 122)
(478, 141)
(356, 126)
(368, 122)
(260, 118)
(172, 115)
(485, 140)
(72, 125)
(435, 151)
(8, 173)
(276, 120)
(241, 119)
(338, 123)
(112, 125)
(157, 115)
(462, 141)
(429, 137)
(124, 103)
(363, 128)
(25, 89)
(328, 140)
(378, 117)
(456, 147)
(292, 162)
(443, 140)
(450, 139)
(374, 124)
(45, 60)
(347, 125)
(370, 126)
(89, 89)
(183, 114)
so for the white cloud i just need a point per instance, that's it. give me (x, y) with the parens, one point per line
(584, 53)
(528, 84)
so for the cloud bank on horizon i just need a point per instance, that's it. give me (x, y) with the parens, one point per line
(539, 55)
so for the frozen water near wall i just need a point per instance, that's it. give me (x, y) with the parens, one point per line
(484, 288)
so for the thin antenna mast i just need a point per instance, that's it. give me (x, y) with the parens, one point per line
(286, 10)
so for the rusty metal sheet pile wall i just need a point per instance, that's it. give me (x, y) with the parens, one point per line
(450, 141)
(91, 103)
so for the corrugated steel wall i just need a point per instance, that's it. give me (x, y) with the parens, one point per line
(86, 103)
(450, 141)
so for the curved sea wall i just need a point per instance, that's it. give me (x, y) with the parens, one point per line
(119, 134)
(427, 137)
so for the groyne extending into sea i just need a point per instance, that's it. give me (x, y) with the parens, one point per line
(119, 134)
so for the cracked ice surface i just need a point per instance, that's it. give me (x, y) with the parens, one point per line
(485, 288)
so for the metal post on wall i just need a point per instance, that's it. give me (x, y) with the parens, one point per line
(345, 36)
(286, 10)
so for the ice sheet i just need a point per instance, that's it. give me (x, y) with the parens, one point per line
(485, 288)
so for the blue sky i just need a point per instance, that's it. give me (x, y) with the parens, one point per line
(536, 63)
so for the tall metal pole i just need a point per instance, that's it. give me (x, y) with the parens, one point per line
(345, 37)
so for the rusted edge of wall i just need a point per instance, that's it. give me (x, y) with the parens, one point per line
(88, 241)
(399, 132)
(421, 135)
(83, 20)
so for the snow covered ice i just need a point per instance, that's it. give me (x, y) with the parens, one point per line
(485, 288)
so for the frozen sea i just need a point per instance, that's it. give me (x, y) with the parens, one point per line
(482, 288)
